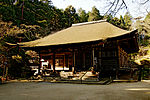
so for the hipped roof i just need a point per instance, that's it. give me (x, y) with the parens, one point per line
(79, 33)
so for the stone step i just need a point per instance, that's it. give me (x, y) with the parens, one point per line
(103, 82)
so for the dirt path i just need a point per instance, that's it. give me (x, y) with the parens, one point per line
(48, 91)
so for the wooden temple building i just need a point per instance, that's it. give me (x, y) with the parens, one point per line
(98, 46)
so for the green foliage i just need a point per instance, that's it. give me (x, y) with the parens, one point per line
(147, 18)
(146, 69)
(94, 14)
(147, 23)
(83, 15)
(116, 21)
(122, 22)
(32, 12)
(13, 34)
(144, 42)
(19, 64)
(17, 61)
(128, 20)
(71, 16)
(143, 27)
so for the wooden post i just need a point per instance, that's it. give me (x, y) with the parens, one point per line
(84, 59)
(74, 61)
(119, 63)
(53, 61)
(4, 69)
(6, 72)
(93, 57)
(39, 63)
(64, 62)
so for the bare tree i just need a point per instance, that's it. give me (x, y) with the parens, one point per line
(114, 6)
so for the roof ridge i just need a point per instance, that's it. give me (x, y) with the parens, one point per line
(86, 23)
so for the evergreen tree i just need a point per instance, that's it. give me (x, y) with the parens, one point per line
(115, 21)
(33, 12)
(147, 22)
(122, 23)
(71, 16)
(128, 20)
(83, 15)
(94, 14)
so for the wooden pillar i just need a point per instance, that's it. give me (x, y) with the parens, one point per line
(64, 62)
(53, 61)
(93, 57)
(119, 63)
(74, 61)
(6, 73)
(39, 67)
(84, 59)
(4, 69)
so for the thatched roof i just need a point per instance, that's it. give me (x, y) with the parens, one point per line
(79, 33)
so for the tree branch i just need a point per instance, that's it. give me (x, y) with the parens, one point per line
(110, 7)
(144, 2)
(117, 7)
(125, 4)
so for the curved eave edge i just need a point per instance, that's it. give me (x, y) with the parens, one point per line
(11, 44)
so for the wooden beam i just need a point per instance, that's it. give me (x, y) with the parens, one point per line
(49, 54)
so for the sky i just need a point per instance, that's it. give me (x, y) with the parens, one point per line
(134, 6)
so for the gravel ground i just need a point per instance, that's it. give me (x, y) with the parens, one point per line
(59, 91)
